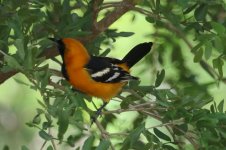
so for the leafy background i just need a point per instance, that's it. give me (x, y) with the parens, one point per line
(179, 103)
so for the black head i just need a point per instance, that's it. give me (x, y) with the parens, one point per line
(60, 45)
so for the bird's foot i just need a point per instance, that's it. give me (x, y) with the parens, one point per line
(97, 113)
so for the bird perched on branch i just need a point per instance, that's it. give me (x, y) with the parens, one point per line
(101, 77)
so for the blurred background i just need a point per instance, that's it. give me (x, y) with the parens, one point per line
(18, 102)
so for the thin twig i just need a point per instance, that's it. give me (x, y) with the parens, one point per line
(173, 122)
(43, 145)
(156, 116)
(147, 13)
(56, 72)
(104, 133)
(57, 86)
(118, 111)
(56, 60)
(96, 4)
(134, 93)
(119, 134)
(144, 105)
(109, 5)
(125, 6)
(189, 138)
(52, 140)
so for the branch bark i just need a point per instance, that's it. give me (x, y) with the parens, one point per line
(6, 75)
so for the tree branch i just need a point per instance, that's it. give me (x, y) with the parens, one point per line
(124, 7)
(6, 75)
(104, 133)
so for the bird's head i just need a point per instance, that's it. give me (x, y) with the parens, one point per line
(71, 48)
(60, 45)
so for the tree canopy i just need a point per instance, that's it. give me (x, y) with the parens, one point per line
(179, 103)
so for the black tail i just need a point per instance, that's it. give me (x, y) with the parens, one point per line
(137, 53)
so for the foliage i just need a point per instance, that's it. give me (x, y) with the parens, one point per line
(184, 119)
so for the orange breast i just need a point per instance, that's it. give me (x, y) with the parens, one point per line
(82, 81)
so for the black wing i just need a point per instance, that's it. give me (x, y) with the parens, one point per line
(106, 70)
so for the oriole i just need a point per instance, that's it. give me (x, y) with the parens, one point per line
(101, 77)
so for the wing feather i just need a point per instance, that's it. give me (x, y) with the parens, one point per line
(106, 70)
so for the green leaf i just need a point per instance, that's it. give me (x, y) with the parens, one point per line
(212, 108)
(41, 103)
(16, 25)
(208, 50)
(66, 7)
(107, 51)
(46, 125)
(45, 135)
(150, 137)
(4, 32)
(113, 33)
(125, 103)
(104, 145)
(161, 135)
(20, 81)
(138, 145)
(29, 59)
(207, 122)
(6, 147)
(223, 133)
(219, 28)
(125, 34)
(180, 129)
(88, 143)
(160, 77)
(189, 9)
(63, 123)
(36, 119)
(134, 84)
(183, 3)
(29, 124)
(71, 140)
(220, 106)
(24, 147)
(162, 95)
(133, 137)
(19, 44)
(198, 55)
(218, 64)
(12, 62)
(150, 19)
(48, 117)
(197, 47)
(218, 44)
(49, 148)
(200, 12)
(157, 5)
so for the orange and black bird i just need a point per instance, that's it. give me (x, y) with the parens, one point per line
(101, 77)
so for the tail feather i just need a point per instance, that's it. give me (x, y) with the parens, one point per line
(137, 53)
